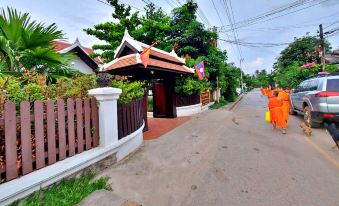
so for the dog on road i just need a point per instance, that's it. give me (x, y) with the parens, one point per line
(307, 130)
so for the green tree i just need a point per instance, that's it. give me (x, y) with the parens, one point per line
(26, 43)
(154, 25)
(188, 34)
(288, 67)
(301, 50)
(262, 78)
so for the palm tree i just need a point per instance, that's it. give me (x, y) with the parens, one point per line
(28, 44)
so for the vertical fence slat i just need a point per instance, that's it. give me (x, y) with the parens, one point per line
(51, 140)
(61, 129)
(124, 117)
(141, 120)
(87, 124)
(129, 117)
(71, 132)
(95, 122)
(10, 141)
(26, 144)
(134, 126)
(136, 114)
(120, 120)
(39, 134)
(79, 125)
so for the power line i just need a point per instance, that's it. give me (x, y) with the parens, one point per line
(261, 18)
(170, 3)
(252, 44)
(220, 19)
(107, 4)
(225, 6)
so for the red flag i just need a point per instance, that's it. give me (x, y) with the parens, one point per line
(145, 54)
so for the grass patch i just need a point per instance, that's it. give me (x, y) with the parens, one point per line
(67, 192)
(222, 102)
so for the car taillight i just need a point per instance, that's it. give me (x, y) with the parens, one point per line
(327, 94)
(328, 115)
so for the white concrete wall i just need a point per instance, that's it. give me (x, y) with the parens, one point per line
(78, 64)
(189, 110)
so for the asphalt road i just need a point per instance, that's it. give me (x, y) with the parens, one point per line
(232, 158)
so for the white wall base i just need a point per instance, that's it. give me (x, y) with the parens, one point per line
(189, 110)
(205, 107)
(27, 184)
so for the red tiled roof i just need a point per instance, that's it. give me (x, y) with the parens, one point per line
(163, 56)
(60, 45)
(130, 60)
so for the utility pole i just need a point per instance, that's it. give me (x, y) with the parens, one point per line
(241, 84)
(322, 47)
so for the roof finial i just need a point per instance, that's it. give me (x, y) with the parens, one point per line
(173, 53)
(77, 41)
(126, 34)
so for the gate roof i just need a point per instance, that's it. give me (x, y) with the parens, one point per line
(127, 57)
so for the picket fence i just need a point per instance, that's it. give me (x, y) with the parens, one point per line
(45, 132)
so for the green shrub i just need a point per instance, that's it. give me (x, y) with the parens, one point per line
(34, 91)
(191, 85)
(130, 90)
(13, 90)
(222, 102)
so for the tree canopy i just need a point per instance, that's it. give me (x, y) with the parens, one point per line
(289, 70)
(180, 31)
(27, 44)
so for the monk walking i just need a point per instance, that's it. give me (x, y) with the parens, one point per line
(275, 106)
(286, 104)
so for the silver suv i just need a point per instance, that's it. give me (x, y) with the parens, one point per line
(318, 99)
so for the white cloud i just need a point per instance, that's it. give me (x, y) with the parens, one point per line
(255, 64)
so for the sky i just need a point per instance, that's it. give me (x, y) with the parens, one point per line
(72, 16)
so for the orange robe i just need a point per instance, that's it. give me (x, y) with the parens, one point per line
(286, 104)
(269, 93)
(277, 117)
(262, 91)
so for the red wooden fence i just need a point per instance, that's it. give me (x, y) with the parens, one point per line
(130, 117)
(53, 131)
(186, 100)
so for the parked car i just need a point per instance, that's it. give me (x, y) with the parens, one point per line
(318, 99)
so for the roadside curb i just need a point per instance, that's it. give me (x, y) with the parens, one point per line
(236, 103)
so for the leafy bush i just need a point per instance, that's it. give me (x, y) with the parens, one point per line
(130, 90)
(222, 102)
(75, 88)
(189, 85)
(32, 86)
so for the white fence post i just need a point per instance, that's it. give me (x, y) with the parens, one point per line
(107, 98)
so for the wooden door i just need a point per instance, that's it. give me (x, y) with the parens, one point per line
(159, 101)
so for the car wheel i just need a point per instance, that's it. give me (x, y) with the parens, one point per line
(308, 118)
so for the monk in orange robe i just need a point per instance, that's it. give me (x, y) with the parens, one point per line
(275, 106)
(269, 92)
(262, 91)
(285, 97)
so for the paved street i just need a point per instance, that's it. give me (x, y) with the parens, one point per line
(232, 158)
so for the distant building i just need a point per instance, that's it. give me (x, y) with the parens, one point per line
(332, 58)
(82, 61)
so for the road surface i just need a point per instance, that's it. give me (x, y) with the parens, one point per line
(232, 158)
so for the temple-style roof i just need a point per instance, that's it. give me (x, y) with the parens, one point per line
(128, 55)
(64, 47)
